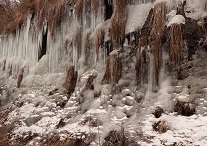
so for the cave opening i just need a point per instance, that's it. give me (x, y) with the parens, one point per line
(108, 9)
(43, 50)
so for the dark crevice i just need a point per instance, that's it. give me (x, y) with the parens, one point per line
(44, 45)
(108, 9)
(109, 47)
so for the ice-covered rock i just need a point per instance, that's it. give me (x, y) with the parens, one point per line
(130, 100)
(126, 92)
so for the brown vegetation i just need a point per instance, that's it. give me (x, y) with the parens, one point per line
(158, 112)
(55, 141)
(183, 108)
(115, 138)
(118, 22)
(99, 41)
(113, 69)
(87, 45)
(156, 36)
(160, 126)
(141, 66)
(95, 4)
(70, 81)
(15, 14)
(79, 9)
(142, 61)
(20, 78)
(176, 43)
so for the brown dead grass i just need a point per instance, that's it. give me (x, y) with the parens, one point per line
(99, 41)
(118, 22)
(79, 9)
(176, 43)
(70, 81)
(120, 4)
(87, 45)
(95, 4)
(113, 69)
(156, 35)
(15, 15)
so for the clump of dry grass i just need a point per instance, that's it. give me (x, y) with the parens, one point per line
(55, 141)
(160, 126)
(184, 108)
(115, 138)
(176, 43)
(118, 22)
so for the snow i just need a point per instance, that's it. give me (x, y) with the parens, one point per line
(138, 14)
(195, 9)
(178, 19)
(188, 130)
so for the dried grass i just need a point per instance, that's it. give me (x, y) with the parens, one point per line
(120, 4)
(141, 66)
(118, 22)
(87, 46)
(70, 81)
(95, 4)
(176, 43)
(160, 126)
(79, 9)
(113, 69)
(156, 35)
(142, 55)
(15, 15)
(20, 78)
(99, 41)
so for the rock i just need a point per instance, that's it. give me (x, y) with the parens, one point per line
(184, 108)
(126, 92)
(158, 112)
(130, 100)
(60, 124)
(32, 119)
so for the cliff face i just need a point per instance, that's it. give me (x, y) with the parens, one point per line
(101, 63)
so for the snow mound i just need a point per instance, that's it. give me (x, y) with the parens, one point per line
(177, 19)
